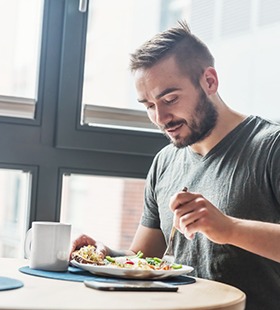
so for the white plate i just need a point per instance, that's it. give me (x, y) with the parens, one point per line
(132, 273)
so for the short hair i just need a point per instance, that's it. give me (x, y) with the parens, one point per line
(191, 54)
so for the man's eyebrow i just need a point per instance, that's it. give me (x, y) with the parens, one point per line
(142, 100)
(167, 91)
(163, 93)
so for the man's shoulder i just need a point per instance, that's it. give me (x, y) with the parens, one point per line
(266, 123)
(266, 127)
(257, 127)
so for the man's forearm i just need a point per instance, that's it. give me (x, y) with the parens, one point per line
(261, 238)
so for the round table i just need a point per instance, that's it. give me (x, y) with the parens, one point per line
(42, 293)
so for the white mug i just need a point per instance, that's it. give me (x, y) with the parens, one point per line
(47, 245)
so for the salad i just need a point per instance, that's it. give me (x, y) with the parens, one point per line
(88, 255)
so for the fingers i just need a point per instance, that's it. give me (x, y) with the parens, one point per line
(181, 198)
(101, 249)
(184, 220)
(85, 240)
(197, 214)
(81, 241)
(188, 209)
(177, 200)
(188, 235)
(189, 223)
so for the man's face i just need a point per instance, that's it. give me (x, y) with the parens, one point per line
(180, 110)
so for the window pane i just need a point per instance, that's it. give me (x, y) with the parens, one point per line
(248, 28)
(109, 97)
(106, 208)
(20, 32)
(245, 30)
(14, 202)
(115, 29)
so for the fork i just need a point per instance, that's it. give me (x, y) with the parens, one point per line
(168, 255)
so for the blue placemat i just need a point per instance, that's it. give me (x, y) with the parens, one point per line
(9, 284)
(79, 275)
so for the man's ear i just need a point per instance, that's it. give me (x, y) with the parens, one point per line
(210, 81)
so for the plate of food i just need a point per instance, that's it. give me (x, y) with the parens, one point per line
(128, 267)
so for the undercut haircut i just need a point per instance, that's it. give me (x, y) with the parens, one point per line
(191, 54)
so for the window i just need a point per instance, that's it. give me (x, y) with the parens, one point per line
(54, 149)
(86, 129)
(245, 30)
(20, 32)
(100, 87)
(108, 208)
(107, 80)
(14, 211)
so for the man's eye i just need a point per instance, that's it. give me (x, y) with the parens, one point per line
(150, 106)
(170, 101)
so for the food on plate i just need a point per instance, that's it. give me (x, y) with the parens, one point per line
(88, 255)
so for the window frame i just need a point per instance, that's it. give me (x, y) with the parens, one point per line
(54, 142)
(74, 135)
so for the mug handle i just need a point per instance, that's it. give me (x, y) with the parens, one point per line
(27, 243)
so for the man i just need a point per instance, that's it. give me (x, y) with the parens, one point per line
(228, 219)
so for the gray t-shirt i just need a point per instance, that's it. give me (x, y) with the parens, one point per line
(241, 177)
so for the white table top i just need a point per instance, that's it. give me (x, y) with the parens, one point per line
(42, 293)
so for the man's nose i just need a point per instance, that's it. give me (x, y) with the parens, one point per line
(163, 116)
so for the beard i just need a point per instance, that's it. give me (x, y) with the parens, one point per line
(201, 124)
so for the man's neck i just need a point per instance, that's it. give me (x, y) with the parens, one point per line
(227, 121)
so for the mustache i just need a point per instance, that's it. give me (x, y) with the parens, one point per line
(174, 124)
